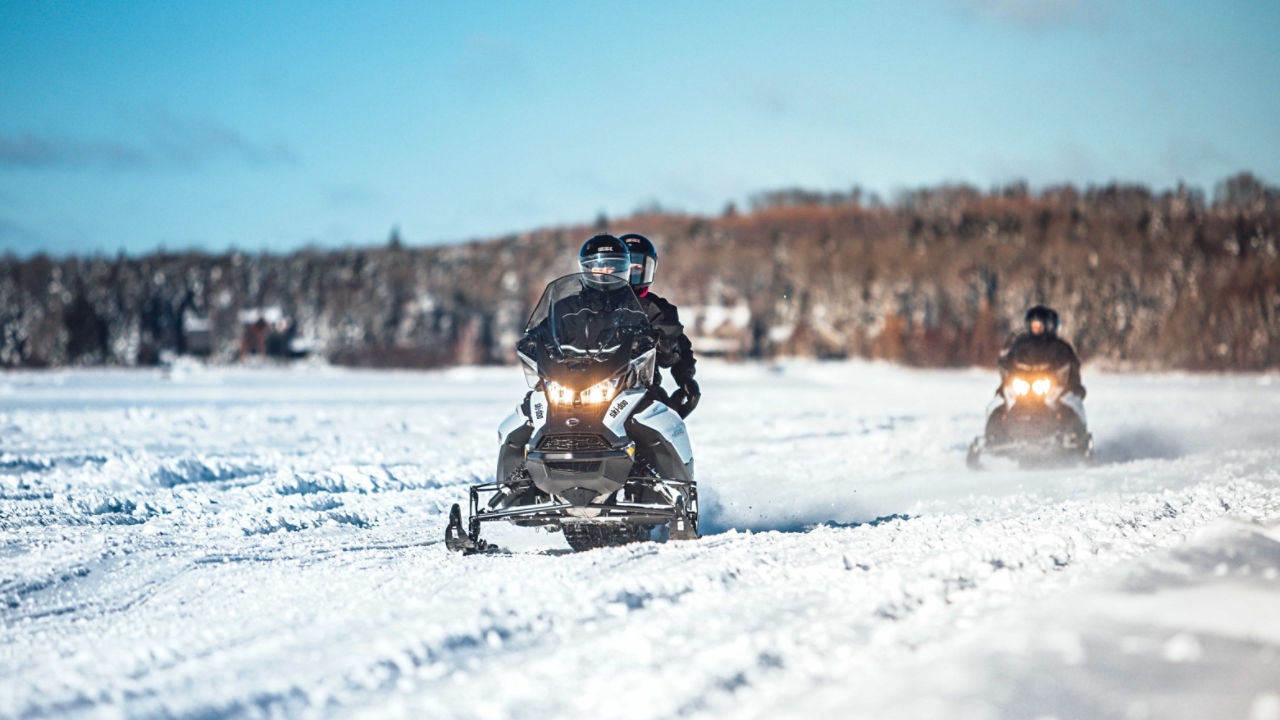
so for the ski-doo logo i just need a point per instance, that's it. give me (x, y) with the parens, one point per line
(571, 422)
(619, 408)
(537, 412)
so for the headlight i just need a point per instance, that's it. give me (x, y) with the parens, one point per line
(601, 392)
(1020, 386)
(559, 394)
(1041, 386)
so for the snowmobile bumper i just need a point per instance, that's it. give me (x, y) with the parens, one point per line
(664, 501)
(1058, 447)
(1034, 432)
(580, 477)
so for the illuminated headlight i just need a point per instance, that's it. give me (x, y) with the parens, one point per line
(1041, 386)
(559, 394)
(601, 392)
(1020, 386)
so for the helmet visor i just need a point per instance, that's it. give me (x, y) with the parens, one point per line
(642, 269)
(606, 264)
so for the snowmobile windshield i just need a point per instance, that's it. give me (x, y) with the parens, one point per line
(588, 315)
(589, 325)
(1042, 368)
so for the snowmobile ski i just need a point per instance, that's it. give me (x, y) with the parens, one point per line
(464, 541)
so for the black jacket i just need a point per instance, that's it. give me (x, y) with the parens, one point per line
(1044, 349)
(674, 349)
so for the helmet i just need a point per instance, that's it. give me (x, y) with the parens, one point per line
(604, 254)
(1046, 316)
(644, 260)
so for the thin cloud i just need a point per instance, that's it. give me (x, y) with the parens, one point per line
(770, 100)
(198, 141)
(1038, 15)
(1190, 158)
(34, 151)
(167, 141)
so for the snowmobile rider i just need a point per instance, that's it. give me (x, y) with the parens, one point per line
(605, 254)
(605, 262)
(1040, 344)
(674, 349)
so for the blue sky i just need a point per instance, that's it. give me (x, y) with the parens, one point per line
(135, 125)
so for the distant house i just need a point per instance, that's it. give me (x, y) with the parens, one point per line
(267, 332)
(197, 335)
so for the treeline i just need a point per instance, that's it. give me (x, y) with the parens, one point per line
(936, 276)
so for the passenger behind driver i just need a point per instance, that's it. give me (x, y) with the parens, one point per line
(674, 349)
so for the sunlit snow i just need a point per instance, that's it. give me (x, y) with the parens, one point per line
(259, 542)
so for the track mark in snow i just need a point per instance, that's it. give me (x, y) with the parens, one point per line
(13, 591)
(16, 464)
(1137, 444)
(350, 518)
(327, 502)
(628, 601)
(291, 521)
(187, 471)
(365, 479)
(287, 522)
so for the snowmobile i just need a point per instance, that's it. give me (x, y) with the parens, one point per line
(593, 452)
(1034, 420)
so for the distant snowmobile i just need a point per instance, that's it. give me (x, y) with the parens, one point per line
(588, 455)
(1034, 420)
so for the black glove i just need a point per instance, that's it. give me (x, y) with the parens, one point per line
(686, 398)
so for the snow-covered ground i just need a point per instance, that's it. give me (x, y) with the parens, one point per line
(262, 543)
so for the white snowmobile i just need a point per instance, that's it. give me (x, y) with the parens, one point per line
(593, 453)
(1035, 420)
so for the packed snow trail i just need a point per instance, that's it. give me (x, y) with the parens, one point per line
(257, 543)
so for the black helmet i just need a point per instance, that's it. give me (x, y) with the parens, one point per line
(1047, 316)
(644, 260)
(604, 254)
